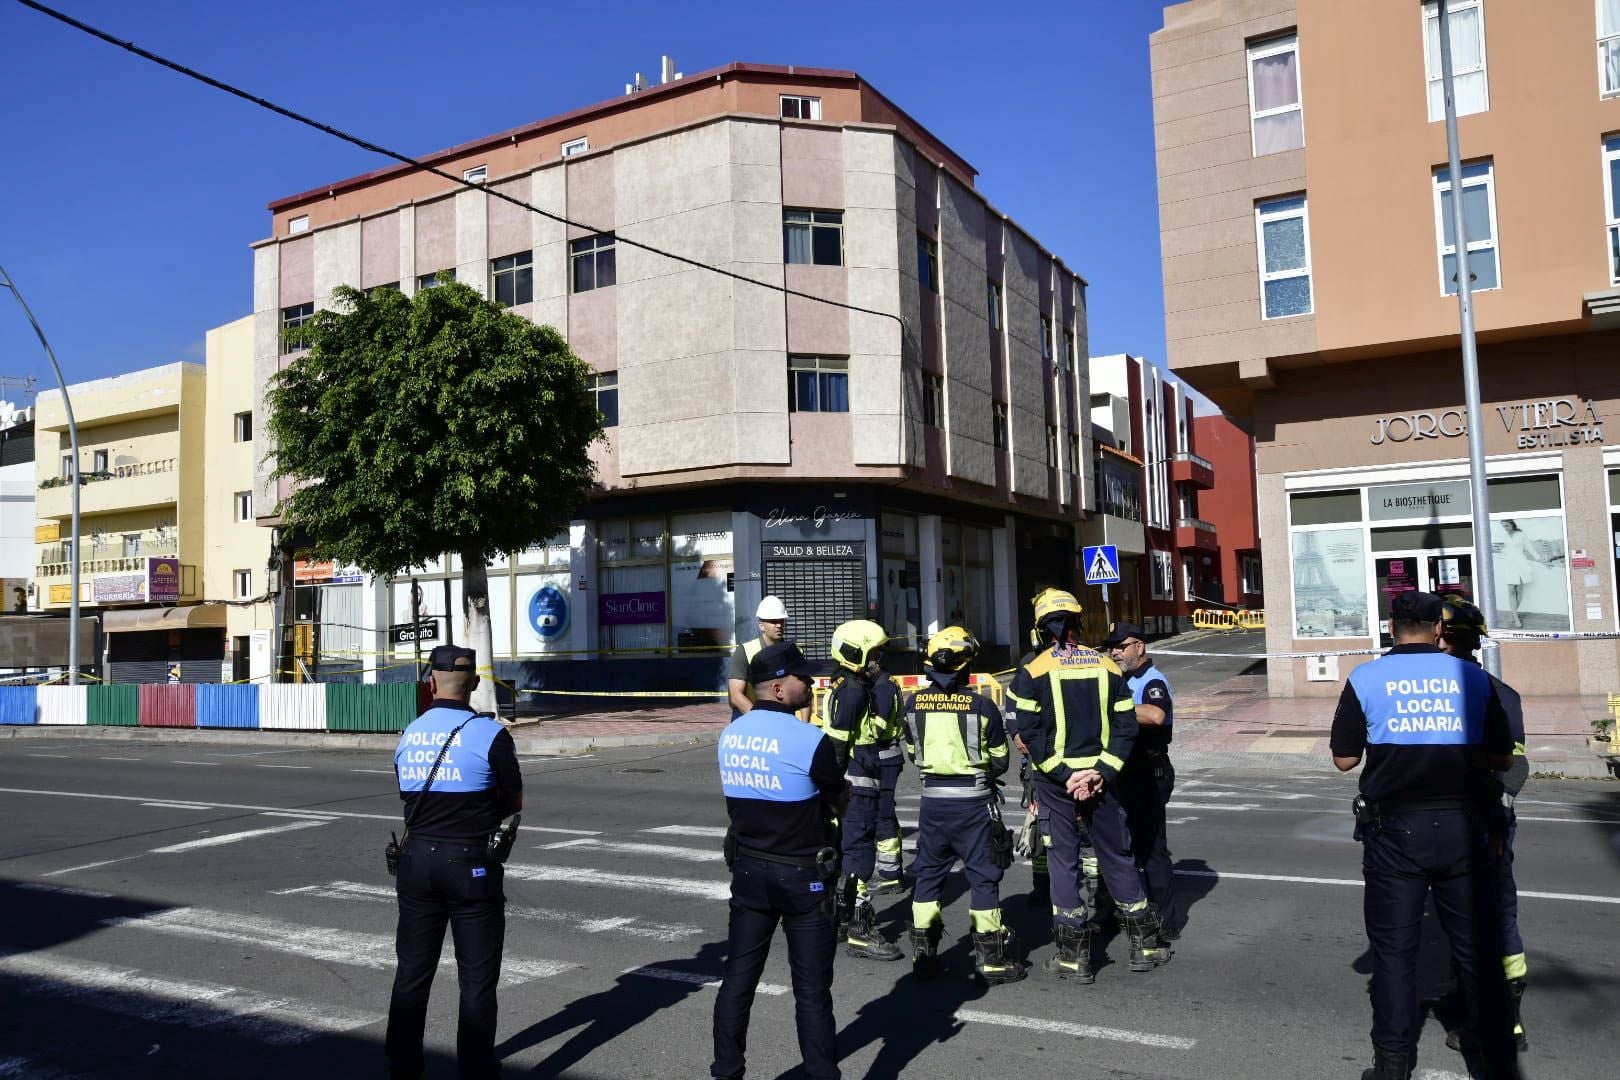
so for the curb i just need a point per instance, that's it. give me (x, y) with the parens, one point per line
(337, 740)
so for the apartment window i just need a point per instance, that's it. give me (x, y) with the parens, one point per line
(605, 386)
(1051, 447)
(1283, 234)
(297, 225)
(933, 400)
(592, 262)
(928, 262)
(813, 237)
(818, 384)
(295, 327)
(575, 146)
(1277, 117)
(244, 426)
(1608, 28)
(1074, 455)
(1467, 21)
(1479, 221)
(385, 287)
(1163, 584)
(1068, 350)
(514, 278)
(476, 175)
(244, 506)
(132, 545)
(98, 461)
(798, 107)
(1611, 199)
(998, 425)
(1249, 565)
(243, 584)
(67, 466)
(438, 277)
(993, 303)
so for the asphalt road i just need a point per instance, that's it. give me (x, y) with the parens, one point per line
(182, 911)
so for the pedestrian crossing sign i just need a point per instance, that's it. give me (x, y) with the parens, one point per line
(1101, 563)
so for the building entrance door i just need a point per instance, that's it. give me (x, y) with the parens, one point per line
(1440, 572)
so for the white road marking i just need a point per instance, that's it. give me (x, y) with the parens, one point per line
(579, 875)
(175, 805)
(51, 755)
(177, 761)
(1080, 1031)
(258, 765)
(1211, 806)
(624, 924)
(104, 758)
(320, 943)
(1586, 898)
(89, 866)
(383, 772)
(235, 837)
(707, 982)
(625, 847)
(565, 844)
(565, 832)
(128, 992)
(1180, 820)
(1438, 1074)
(306, 815)
(715, 831)
(61, 890)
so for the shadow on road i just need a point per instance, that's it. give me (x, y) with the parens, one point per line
(1195, 879)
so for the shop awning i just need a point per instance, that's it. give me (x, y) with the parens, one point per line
(191, 617)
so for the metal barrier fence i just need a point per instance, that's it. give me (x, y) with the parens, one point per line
(340, 707)
(1225, 619)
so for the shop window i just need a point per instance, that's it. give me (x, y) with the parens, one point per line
(665, 584)
(1277, 117)
(1479, 224)
(1330, 582)
(899, 580)
(1466, 19)
(966, 575)
(1324, 507)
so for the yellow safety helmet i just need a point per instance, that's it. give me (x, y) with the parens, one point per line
(854, 642)
(1055, 602)
(1459, 614)
(952, 649)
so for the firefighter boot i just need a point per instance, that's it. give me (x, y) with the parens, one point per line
(1073, 959)
(925, 950)
(1148, 950)
(1388, 1065)
(995, 956)
(863, 940)
(1516, 990)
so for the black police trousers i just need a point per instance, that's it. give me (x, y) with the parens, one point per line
(1406, 858)
(1147, 784)
(762, 895)
(447, 882)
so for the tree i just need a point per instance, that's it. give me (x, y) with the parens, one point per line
(442, 422)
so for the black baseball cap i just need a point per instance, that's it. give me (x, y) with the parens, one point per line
(1121, 632)
(779, 660)
(452, 658)
(1416, 607)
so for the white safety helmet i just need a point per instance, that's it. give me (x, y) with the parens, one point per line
(771, 610)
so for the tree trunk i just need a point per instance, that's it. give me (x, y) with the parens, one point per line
(477, 632)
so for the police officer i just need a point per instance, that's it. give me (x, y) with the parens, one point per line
(784, 786)
(1149, 778)
(861, 732)
(772, 618)
(1078, 719)
(1461, 629)
(957, 740)
(1428, 724)
(447, 871)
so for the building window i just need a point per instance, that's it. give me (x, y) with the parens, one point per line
(1046, 338)
(1249, 566)
(438, 277)
(1608, 29)
(798, 107)
(998, 425)
(243, 580)
(476, 175)
(244, 506)
(1051, 447)
(295, 327)
(605, 385)
(1467, 21)
(244, 427)
(965, 555)
(818, 384)
(1163, 585)
(928, 262)
(1479, 221)
(1068, 357)
(993, 303)
(592, 262)
(813, 237)
(67, 466)
(98, 461)
(1074, 455)
(933, 400)
(514, 278)
(575, 146)
(132, 545)
(385, 287)
(1276, 116)
(297, 225)
(1283, 234)
(1611, 199)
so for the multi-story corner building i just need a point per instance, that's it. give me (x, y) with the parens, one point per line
(17, 487)
(1178, 546)
(1310, 267)
(140, 470)
(920, 462)
(1234, 580)
(237, 573)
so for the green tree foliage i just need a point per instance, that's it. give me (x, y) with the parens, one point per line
(419, 425)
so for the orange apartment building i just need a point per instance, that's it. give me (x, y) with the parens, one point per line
(1309, 277)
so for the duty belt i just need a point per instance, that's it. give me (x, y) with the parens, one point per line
(1414, 805)
(807, 861)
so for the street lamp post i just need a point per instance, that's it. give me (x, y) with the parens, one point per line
(73, 478)
(1479, 490)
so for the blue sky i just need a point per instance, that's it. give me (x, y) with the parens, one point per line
(129, 194)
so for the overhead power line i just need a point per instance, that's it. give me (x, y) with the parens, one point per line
(355, 140)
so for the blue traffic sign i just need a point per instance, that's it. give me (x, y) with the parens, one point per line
(1101, 563)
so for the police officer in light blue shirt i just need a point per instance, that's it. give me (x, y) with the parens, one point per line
(458, 776)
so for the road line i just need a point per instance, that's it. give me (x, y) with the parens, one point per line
(190, 1004)
(1080, 1031)
(695, 978)
(566, 844)
(579, 875)
(51, 755)
(625, 847)
(89, 866)
(1212, 806)
(319, 943)
(177, 761)
(1438, 1074)
(257, 765)
(384, 772)
(563, 832)
(175, 805)
(1180, 820)
(714, 831)
(233, 838)
(304, 815)
(1585, 898)
(104, 758)
(61, 890)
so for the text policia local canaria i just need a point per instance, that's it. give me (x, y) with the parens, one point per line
(419, 758)
(1414, 713)
(742, 763)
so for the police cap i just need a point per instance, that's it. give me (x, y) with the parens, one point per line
(452, 658)
(778, 661)
(1121, 632)
(1416, 607)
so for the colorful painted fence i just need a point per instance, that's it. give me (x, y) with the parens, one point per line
(345, 707)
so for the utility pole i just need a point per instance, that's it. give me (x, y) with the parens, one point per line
(73, 478)
(1479, 489)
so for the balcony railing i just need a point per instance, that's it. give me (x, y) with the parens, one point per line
(55, 560)
(1182, 455)
(1194, 523)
